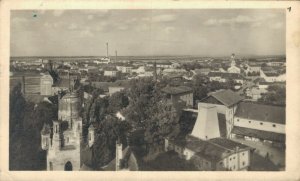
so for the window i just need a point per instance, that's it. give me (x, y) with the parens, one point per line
(221, 163)
(55, 128)
(243, 154)
(233, 157)
(233, 167)
(274, 125)
(230, 159)
(238, 120)
(67, 140)
(90, 138)
(261, 123)
(249, 121)
(243, 163)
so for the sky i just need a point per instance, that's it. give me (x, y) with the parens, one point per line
(196, 32)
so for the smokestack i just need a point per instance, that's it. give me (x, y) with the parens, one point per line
(106, 49)
(116, 55)
(23, 85)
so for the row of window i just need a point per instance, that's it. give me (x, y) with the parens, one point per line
(261, 123)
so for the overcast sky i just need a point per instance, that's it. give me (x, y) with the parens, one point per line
(148, 32)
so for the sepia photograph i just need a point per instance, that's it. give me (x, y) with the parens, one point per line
(147, 90)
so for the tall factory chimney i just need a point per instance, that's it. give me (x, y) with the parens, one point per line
(106, 49)
(116, 56)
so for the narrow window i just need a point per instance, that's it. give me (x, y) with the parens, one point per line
(90, 137)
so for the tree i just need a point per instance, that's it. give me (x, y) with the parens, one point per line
(276, 95)
(117, 101)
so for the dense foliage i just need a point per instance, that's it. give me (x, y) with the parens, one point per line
(26, 121)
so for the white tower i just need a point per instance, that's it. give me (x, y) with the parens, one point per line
(207, 123)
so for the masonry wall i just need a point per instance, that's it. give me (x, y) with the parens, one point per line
(259, 125)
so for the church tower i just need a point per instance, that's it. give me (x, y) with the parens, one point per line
(64, 144)
(232, 58)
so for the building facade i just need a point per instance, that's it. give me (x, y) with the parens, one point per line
(63, 141)
(46, 85)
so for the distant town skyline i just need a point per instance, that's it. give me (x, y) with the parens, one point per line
(196, 32)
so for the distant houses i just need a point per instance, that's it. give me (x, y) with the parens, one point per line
(225, 77)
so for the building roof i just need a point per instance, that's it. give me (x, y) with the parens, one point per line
(260, 112)
(265, 135)
(225, 75)
(177, 90)
(129, 159)
(213, 149)
(226, 97)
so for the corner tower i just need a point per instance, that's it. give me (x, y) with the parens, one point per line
(64, 140)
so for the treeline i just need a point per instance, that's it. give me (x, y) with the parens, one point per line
(26, 120)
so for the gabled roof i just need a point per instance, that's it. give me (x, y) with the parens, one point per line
(213, 149)
(128, 157)
(259, 112)
(226, 97)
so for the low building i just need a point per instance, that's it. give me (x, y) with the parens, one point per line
(205, 147)
(259, 122)
(272, 76)
(183, 93)
(225, 77)
(255, 93)
(111, 72)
